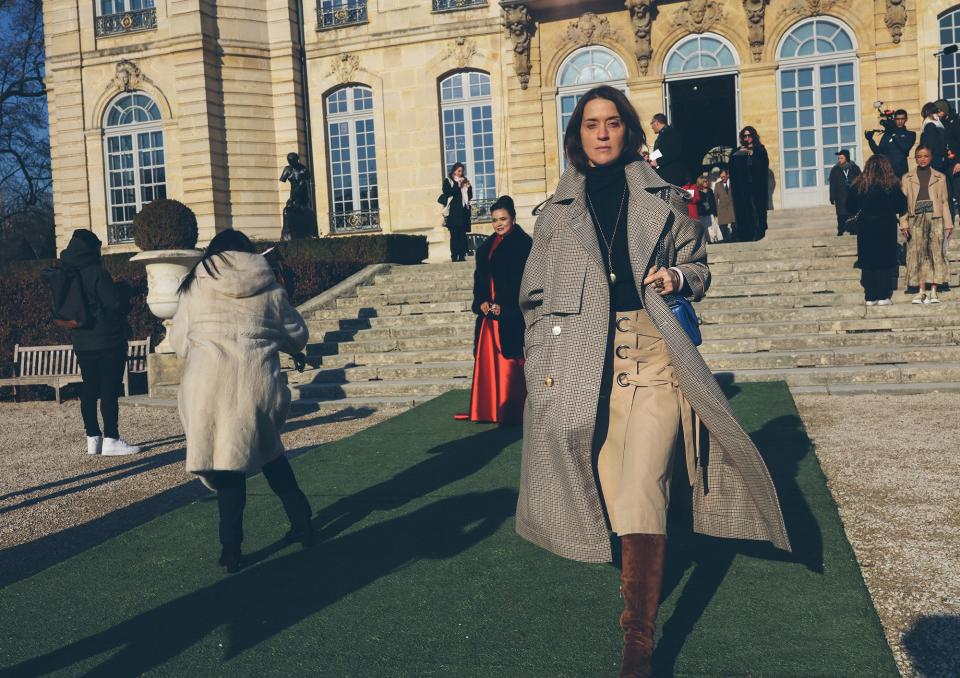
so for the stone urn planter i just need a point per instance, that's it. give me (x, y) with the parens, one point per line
(166, 269)
(166, 232)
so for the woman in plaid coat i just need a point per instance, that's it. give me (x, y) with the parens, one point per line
(609, 246)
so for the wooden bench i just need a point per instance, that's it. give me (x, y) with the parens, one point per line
(57, 366)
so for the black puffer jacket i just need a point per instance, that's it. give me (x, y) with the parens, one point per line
(109, 301)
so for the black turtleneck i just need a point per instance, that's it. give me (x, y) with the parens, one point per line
(606, 186)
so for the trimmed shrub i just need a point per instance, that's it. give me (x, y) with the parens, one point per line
(165, 225)
(316, 265)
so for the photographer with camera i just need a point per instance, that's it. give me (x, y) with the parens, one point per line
(896, 141)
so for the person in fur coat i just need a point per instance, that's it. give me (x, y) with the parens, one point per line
(233, 320)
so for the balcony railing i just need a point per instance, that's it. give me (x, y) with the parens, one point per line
(120, 233)
(336, 13)
(454, 5)
(126, 22)
(355, 222)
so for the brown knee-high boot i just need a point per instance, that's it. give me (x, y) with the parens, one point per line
(641, 579)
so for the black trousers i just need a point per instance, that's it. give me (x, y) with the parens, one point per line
(102, 373)
(841, 223)
(877, 283)
(458, 242)
(231, 489)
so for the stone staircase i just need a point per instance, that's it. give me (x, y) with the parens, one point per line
(787, 308)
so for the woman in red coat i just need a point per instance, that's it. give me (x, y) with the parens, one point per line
(499, 389)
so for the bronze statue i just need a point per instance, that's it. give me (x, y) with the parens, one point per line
(299, 221)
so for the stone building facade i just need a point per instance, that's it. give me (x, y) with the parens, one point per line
(201, 101)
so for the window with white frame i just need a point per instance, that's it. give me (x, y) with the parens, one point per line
(352, 160)
(581, 71)
(466, 109)
(134, 160)
(949, 63)
(818, 106)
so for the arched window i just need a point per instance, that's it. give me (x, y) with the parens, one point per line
(135, 164)
(818, 107)
(582, 70)
(467, 113)
(816, 37)
(699, 53)
(352, 160)
(949, 64)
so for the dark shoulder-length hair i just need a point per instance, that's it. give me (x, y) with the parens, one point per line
(453, 168)
(877, 173)
(753, 131)
(225, 241)
(634, 138)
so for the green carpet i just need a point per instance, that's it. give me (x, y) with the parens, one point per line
(420, 573)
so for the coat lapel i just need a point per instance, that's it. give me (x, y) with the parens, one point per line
(647, 216)
(571, 193)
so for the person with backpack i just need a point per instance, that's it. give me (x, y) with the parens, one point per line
(95, 308)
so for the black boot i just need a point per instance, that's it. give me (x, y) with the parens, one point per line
(231, 499)
(280, 477)
(299, 513)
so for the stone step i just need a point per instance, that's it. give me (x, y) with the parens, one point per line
(829, 328)
(830, 312)
(402, 402)
(412, 298)
(914, 388)
(909, 373)
(390, 371)
(833, 357)
(387, 286)
(389, 310)
(376, 389)
(343, 319)
(411, 331)
(461, 351)
(391, 346)
(908, 339)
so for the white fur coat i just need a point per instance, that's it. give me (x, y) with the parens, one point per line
(233, 398)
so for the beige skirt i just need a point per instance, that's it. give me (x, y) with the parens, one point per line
(648, 418)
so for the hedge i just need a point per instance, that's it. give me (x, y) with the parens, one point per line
(316, 265)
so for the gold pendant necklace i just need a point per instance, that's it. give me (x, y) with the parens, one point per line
(606, 244)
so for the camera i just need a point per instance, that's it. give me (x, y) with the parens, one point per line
(886, 118)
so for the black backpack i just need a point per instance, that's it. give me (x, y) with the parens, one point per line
(68, 301)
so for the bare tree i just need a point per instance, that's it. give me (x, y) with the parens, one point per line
(25, 178)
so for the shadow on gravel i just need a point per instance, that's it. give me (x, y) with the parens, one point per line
(933, 644)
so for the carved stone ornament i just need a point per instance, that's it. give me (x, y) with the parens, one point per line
(808, 8)
(344, 67)
(589, 29)
(641, 18)
(896, 18)
(755, 10)
(520, 28)
(462, 51)
(127, 76)
(698, 16)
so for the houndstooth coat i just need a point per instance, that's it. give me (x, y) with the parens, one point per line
(565, 300)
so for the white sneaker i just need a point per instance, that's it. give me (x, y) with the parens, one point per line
(885, 302)
(871, 303)
(919, 299)
(94, 444)
(932, 297)
(117, 447)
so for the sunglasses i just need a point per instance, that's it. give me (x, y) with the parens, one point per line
(747, 135)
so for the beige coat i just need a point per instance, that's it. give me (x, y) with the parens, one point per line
(233, 399)
(725, 213)
(565, 299)
(938, 194)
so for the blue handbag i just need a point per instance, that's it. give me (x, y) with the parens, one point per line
(681, 306)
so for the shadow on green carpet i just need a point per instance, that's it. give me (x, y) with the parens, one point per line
(419, 573)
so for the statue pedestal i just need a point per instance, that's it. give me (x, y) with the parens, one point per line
(163, 369)
(298, 223)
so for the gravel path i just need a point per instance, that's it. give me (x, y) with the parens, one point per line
(892, 466)
(55, 500)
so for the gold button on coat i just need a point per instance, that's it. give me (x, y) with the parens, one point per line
(548, 381)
